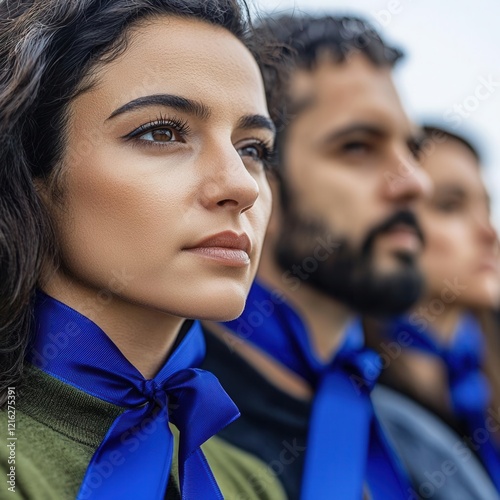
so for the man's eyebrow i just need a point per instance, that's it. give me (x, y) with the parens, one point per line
(179, 103)
(256, 121)
(364, 128)
(298, 106)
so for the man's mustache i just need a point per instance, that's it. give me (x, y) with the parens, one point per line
(402, 217)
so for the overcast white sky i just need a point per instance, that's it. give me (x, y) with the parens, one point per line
(452, 47)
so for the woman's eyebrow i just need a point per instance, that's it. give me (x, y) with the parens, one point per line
(248, 122)
(451, 190)
(179, 103)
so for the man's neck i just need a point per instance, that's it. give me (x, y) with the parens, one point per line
(325, 321)
(325, 318)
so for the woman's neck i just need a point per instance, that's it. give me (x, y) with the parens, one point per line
(443, 325)
(424, 375)
(144, 335)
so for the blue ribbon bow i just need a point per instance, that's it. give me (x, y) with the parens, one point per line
(469, 388)
(134, 459)
(344, 435)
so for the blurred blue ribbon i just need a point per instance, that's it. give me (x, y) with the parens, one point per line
(469, 388)
(344, 435)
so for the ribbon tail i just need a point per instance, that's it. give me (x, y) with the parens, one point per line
(491, 460)
(338, 440)
(131, 464)
(386, 474)
(487, 450)
(200, 410)
(198, 480)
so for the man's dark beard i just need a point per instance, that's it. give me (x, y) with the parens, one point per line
(349, 274)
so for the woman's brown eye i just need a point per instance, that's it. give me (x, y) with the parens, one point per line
(158, 135)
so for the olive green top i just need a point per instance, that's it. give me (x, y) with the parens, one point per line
(58, 428)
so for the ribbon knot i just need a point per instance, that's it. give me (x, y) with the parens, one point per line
(364, 365)
(154, 393)
(139, 440)
(460, 361)
(469, 388)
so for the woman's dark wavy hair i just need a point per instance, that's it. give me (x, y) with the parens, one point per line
(48, 49)
(437, 133)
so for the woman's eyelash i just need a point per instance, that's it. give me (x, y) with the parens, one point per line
(180, 126)
(267, 155)
(267, 150)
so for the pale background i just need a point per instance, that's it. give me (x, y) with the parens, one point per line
(450, 46)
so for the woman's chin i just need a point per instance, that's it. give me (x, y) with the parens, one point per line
(223, 310)
(486, 296)
(218, 302)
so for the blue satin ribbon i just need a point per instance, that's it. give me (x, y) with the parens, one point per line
(469, 388)
(134, 459)
(346, 446)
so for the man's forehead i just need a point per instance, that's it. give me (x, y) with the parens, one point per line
(333, 82)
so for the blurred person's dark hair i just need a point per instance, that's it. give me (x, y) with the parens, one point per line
(436, 133)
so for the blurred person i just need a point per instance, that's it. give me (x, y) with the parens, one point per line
(133, 195)
(444, 354)
(343, 240)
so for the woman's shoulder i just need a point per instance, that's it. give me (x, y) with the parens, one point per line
(25, 478)
(53, 430)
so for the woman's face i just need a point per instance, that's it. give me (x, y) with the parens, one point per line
(164, 152)
(460, 258)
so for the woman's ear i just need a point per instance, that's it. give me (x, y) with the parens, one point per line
(50, 192)
(50, 261)
(43, 190)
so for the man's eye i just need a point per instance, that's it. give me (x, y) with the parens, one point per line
(356, 147)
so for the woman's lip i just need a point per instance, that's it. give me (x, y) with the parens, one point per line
(232, 257)
(226, 239)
